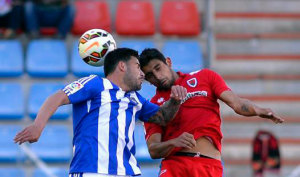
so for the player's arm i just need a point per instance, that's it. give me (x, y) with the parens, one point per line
(33, 131)
(169, 109)
(246, 107)
(160, 149)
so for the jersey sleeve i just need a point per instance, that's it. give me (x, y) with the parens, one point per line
(151, 128)
(83, 89)
(217, 83)
(148, 109)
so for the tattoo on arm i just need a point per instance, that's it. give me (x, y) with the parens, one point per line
(245, 108)
(166, 112)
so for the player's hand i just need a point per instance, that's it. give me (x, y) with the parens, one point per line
(30, 134)
(185, 140)
(178, 93)
(269, 114)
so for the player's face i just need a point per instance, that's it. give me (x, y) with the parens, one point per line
(159, 74)
(134, 76)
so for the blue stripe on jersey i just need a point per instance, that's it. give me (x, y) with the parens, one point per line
(113, 132)
(126, 153)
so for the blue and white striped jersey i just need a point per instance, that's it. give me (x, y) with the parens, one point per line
(103, 125)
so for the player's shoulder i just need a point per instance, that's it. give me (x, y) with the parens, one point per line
(204, 71)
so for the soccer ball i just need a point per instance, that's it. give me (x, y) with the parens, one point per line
(94, 45)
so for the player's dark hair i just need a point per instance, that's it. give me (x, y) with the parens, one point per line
(114, 57)
(149, 54)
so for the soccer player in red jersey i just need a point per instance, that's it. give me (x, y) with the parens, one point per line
(191, 143)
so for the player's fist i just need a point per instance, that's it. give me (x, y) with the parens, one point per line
(178, 93)
(185, 140)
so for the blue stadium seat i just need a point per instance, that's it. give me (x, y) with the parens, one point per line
(54, 145)
(47, 58)
(11, 172)
(142, 153)
(148, 90)
(150, 171)
(138, 45)
(12, 101)
(80, 68)
(9, 151)
(59, 172)
(11, 58)
(186, 56)
(38, 94)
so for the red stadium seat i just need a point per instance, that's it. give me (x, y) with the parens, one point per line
(135, 18)
(89, 15)
(48, 31)
(179, 18)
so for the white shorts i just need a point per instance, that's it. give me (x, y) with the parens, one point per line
(94, 175)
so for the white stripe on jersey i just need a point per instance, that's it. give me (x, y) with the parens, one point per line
(132, 160)
(88, 104)
(123, 105)
(103, 128)
(86, 79)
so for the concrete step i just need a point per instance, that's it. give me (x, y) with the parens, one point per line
(257, 66)
(257, 6)
(245, 170)
(265, 87)
(258, 46)
(248, 130)
(240, 25)
(234, 151)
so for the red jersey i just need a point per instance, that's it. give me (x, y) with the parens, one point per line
(199, 113)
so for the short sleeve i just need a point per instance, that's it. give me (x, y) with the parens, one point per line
(83, 89)
(217, 83)
(152, 128)
(148, 109)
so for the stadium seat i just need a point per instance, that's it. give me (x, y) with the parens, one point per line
(12, 101)
(9, 151)
(11, 172)
(47, 58)
(54, 145)
(138, 45)
(38, 94)
(135, 18)
(186, 55)
(11, 58)
(179, 18)
(80, 68)
(59, 172)
(150, 171)
(147, 90)
(142, 153)
(89, 15)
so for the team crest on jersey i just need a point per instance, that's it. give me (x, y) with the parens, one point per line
(74, 87)
(160, 100)
(192, 82)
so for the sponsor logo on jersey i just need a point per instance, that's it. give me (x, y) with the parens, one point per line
(192, 82)
(160, 100)
(74, 87)
(193, 94)
(162, 172)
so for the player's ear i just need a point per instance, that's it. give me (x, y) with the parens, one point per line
(169, 62)
(122, 66)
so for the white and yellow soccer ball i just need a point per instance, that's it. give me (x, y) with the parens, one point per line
(94, 45)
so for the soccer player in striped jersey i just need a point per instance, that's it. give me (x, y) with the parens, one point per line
(104, 114)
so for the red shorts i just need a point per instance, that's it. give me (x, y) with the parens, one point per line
(183, 166)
